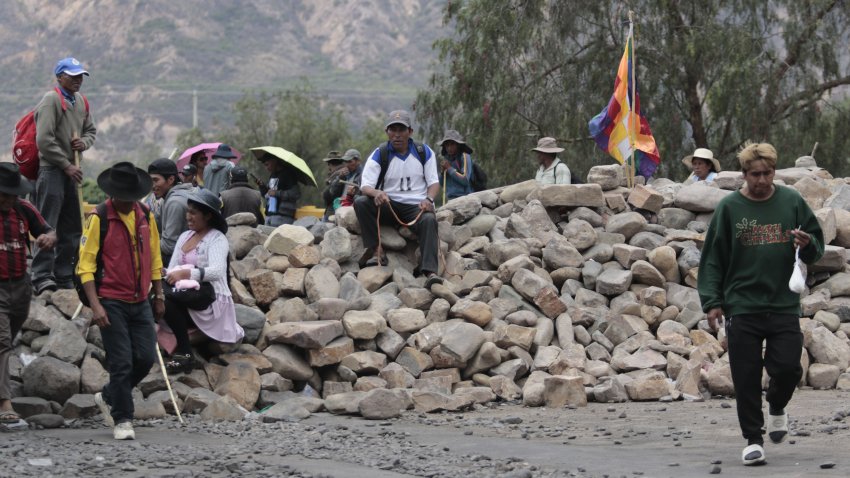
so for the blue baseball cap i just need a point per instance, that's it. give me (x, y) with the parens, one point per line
(70, 66)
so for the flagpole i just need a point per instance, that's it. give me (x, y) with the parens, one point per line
(632, 115)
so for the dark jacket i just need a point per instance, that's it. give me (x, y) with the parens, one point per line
(288, 193)
(242, 198)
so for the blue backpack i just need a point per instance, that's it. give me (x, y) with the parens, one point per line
(384, 151)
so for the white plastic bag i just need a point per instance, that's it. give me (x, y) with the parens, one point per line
(797, 283)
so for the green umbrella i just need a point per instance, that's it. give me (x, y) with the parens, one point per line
(305, 176)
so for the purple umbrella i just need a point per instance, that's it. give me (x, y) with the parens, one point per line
(209, 149)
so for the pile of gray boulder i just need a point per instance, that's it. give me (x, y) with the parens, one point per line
(555, 295)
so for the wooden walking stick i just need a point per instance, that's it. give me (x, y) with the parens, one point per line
(167, 382)
(79, 185)
(82, 214)
(444, 187)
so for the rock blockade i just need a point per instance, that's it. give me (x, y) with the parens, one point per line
(555, 296)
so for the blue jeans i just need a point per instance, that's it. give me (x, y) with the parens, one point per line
(129, 342)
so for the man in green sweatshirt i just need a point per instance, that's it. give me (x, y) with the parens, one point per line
(746, 263)
(63, 126)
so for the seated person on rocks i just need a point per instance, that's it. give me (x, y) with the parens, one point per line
(456, 165)
(703, 164)
(204, 248)
(18, 219)
(552, 170)
(351, 178)
(241, 197)
(399, 184)
(117, 271)
(334, 185)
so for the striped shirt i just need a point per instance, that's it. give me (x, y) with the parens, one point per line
(16, 224)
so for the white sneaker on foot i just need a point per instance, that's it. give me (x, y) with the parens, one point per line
(124, 431)
(777, 427)
(753, 455)
(105, 409)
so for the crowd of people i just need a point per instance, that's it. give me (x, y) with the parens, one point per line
(175, 276)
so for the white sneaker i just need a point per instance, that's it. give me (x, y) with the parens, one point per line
(105, 409)
(753, 455)
(124, 431)
(777, 427)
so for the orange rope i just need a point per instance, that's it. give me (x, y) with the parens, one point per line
(380, 249)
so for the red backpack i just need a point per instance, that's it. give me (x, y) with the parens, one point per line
(24, 147)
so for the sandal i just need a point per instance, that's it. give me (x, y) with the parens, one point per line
(373, 262)
(432, 279)
(9, 417)
(180, 363)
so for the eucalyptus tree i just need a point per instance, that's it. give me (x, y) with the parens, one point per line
(711, 73)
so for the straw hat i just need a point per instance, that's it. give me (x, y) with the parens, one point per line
(705, 154)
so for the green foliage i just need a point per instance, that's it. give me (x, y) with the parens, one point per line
(370, 136)
(297, 119)
(188, 138)
(712, 74)
(91, 193)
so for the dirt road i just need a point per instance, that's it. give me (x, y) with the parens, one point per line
(649, 439)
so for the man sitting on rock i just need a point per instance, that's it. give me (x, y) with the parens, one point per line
(18, 219)
(399, 184)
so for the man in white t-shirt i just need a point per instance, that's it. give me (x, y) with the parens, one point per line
(407, 186)
(551, 170)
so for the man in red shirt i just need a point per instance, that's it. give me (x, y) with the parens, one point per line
(18, 218)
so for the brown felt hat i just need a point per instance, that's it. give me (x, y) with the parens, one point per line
(453, 135)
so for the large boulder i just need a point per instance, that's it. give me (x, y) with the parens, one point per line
(51, 379)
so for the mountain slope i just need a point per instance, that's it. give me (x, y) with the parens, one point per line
(146, 58)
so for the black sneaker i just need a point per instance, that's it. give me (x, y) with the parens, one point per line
(180, 363)
(432, 279)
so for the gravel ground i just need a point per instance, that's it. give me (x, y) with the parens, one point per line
(649, 439)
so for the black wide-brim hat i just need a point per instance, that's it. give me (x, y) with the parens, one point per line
(209, 202)
(11, 181)
(224, 151)
(125, 182)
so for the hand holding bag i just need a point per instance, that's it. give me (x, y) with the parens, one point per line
(195, 299)
(797, 283)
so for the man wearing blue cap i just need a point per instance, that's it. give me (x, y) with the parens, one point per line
(64, 127)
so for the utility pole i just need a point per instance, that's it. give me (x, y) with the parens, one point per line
(194, 109)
